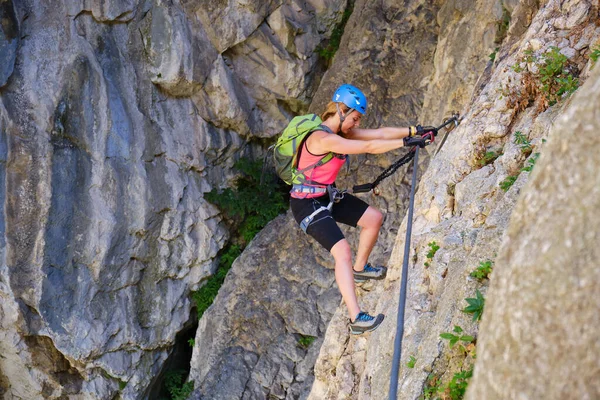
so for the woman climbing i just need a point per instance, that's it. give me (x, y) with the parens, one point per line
(337, 136)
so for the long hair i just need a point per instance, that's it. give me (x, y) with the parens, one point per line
(331, 110)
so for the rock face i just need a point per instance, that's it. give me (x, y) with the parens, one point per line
(250, 343)
(9, 40)
(228, 361)
(460, 206)
(115, 118)
(543, 303)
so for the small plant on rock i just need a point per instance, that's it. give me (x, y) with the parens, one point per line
(508, 182)
(432, 387)
(531, 162)
(433, 248)
(457, 387)
(483, 271)
(595, 54)
(475, 306)
(204, 296)
(555, 78)
(457, 336)
(176, 385)
(522, 141)
(551, 77)
(411, 362)
(250, 205)
(489, 157)
(305, 341)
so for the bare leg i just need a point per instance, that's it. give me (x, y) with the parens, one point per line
(370, 224)
(344, 277)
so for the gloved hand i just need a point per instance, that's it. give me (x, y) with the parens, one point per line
(420, 141)
(421, 130)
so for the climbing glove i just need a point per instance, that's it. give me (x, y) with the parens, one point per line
(420, 141)
(421, 130)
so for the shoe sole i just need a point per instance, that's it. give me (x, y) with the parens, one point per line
(352, 331)
(361, 280)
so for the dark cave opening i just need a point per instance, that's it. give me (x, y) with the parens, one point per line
(178, 363)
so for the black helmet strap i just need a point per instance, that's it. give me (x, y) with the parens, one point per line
(342, 116)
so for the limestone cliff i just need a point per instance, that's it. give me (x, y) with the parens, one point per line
(116, 117)
(461, 207)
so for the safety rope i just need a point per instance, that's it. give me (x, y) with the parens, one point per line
(389, 171)
(393, 392)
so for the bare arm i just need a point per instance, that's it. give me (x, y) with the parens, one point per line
(385, 133)
(322, 142)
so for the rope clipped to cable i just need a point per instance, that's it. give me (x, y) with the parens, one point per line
(389, 171)
(455, 119)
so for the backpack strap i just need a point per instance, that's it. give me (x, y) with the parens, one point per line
(325, 159)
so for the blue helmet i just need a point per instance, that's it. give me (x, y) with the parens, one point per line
(352, 97)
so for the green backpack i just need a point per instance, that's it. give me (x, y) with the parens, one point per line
(290, 141)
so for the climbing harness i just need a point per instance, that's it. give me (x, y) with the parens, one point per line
(335, 196)
(393, 391)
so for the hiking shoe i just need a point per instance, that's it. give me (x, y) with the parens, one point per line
(365, 323)
(370, 272)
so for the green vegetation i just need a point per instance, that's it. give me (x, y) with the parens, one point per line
(250, 205)
(595, 54)
(492, 55)
(332, 46)
(433, 248)
(192, 342)
(176, 385)
(475, 306)
(508, 182)
(122, 384)
(305, 341)
(411, 362)
(489, 157)
(554, 78)
(432, 387)
(567, 84)
(483, 271)
(531, 162)
(204, 296)
(457, 387)
(454, 390)
(522, 141)
(456, 336)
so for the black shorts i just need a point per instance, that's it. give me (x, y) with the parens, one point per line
(323, 228)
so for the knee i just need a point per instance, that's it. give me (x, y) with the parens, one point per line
(377, 218)
(373, 218)
(341, 252)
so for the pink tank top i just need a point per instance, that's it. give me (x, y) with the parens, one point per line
(324, 174)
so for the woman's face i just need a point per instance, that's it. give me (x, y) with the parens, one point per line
(352, 121)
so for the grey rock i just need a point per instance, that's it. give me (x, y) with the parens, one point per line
(269, 299)
(542, 307)
(457, 197)
(9, 40)
(179, 51)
